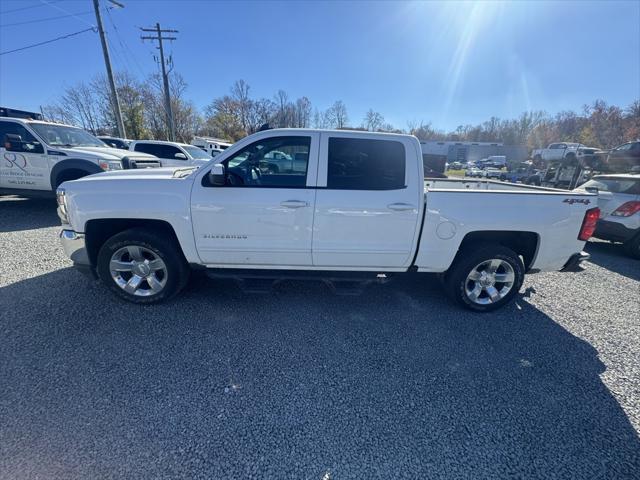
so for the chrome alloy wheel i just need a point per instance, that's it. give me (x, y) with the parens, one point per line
(489, 281)
(138, 270)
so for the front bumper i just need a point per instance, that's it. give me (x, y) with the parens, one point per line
(614, 231)
(74, 247)
(573, 264)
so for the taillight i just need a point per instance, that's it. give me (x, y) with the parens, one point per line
(589, 224)
(627, 209)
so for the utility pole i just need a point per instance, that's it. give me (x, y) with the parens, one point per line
(165, 77)
(115, 101)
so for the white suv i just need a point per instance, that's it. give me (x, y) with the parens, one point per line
(172, 154)
(619, 203)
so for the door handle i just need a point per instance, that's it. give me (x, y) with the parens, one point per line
(401, 207)
(294, 204)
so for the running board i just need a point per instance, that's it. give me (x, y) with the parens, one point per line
(263, 281)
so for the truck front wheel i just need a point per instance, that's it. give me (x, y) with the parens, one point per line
(485, 278)
(142, 266)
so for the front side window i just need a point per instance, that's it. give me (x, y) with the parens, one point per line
(363, 164)
(29, 143)
(280, 162)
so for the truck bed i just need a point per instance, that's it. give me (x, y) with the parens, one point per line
(457, 207)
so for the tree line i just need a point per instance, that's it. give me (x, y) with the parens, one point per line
(236, 114)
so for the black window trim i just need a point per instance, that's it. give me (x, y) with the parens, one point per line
(205, 179)
(404, 148)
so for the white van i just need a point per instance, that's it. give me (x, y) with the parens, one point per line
(213, 146)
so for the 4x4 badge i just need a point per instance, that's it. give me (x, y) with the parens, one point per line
(571, 201)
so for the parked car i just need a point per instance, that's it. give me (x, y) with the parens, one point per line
(38, 156)
(624, 158)
(357, 211)
(473, 172)
(172, 154)
(491, 172)
(494, 161)
(524, 173)
(619, 203)
(455, 166)
(116, 142)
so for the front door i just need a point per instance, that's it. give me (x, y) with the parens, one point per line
(368, 202)
(23, 164)
(263, 215)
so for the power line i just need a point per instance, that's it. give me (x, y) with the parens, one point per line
(30, 6)
(45, 19)
(124, 47)
(63, 10)
(48, 41)
(158, 37)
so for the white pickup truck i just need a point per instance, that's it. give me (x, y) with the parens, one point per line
(359, 209)
(37, 156)
(561, 151)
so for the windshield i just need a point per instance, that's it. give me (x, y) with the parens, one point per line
(63, 136)
(197, 153)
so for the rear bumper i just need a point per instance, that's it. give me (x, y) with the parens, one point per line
(614, 231)
(74, 247)
(573, 264)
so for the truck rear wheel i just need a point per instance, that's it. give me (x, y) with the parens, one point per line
(142, 266)
(485, 278)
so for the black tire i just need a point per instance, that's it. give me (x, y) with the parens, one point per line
(156, 244)
(632, 247)
(67, 176)
(457, 284)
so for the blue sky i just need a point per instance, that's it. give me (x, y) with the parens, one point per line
(446, 63)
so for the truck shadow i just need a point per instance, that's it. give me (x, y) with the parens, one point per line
(612, 257)
(18, 213)
(396, 383)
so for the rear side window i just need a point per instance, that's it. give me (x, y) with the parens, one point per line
(615, 185)
(157, 149)
(364, 164)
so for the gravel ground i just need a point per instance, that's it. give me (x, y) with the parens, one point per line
(396, 383)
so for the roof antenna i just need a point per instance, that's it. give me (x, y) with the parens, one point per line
(265, 126)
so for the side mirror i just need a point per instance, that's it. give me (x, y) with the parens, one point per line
(13, 142)
(217, 175)
(180, 156)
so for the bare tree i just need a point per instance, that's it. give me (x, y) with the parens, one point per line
(373, 121)
(302, 113)
(336, 115)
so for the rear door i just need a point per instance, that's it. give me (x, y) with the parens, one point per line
(368, 202)
(261, 216)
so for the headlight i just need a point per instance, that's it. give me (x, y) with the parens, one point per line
(61, 198)
(110, 165)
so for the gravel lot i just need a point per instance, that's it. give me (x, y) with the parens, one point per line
(396, 383)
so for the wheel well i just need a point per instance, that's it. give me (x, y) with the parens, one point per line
(524, 244)
(99, 231)
(70, 174)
